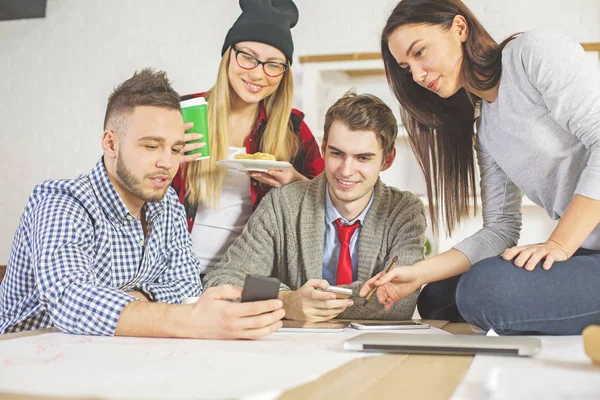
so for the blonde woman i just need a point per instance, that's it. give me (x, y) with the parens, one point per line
(249, 111)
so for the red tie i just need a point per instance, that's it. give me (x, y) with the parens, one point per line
(344, 271)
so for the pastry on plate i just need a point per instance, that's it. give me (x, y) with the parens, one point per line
(256, 156)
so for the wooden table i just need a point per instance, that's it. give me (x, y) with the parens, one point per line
(393, 376)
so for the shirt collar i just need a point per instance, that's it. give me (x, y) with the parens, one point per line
(111, 202)
(331, 214)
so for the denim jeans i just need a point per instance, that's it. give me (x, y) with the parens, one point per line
(495, 294)
(437, 300)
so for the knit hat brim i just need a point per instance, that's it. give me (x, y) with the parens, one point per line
(265, 21)
(260, 32)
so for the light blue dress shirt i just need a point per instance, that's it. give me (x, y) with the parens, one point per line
(331, 243)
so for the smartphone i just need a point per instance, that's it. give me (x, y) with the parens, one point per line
(257, 288)
(340, 292)
(374, 326)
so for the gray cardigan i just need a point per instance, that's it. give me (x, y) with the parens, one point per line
(284, 239)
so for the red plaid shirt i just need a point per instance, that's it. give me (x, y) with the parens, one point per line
(307, 161)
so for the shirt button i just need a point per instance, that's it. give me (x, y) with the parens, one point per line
(129, 217)
(250, 140)
(254, 183)
(141, 242)
(117, 226)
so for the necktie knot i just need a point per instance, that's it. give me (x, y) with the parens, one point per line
(345, 232)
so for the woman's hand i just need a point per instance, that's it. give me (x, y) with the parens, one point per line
(278, 177)
(529, 256)
(393, 286)
(190, 146)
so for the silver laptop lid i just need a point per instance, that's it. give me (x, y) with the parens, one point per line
(444, 344)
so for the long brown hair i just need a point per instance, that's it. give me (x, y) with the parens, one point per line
(441, 131)
(204, 180)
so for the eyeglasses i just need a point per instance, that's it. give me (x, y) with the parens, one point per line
(270, 68)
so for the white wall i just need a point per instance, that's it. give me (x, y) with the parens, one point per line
(57, 72)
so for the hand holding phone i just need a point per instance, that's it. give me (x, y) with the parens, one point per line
(257, 288)
(215, 316)
(312, 302)
(340, 292)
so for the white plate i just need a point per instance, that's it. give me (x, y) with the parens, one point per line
(253, 165)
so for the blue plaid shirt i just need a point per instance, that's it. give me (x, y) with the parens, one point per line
(77, 250)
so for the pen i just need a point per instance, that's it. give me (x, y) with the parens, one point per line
(388, 269)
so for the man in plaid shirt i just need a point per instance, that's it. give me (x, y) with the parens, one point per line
(108, 253)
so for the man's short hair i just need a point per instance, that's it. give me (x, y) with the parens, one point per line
(364, 112)
(146, 87)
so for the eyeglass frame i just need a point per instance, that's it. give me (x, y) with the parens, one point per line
(236, 51)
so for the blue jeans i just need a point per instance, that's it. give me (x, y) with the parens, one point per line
(495, 294)
(437, 300)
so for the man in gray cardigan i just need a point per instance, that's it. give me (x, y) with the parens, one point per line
(341, 228)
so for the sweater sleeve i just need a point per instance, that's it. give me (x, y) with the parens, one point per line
(501, 209)
(570, 88)
(406, 240)
(253, 252)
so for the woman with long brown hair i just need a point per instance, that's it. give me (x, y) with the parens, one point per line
(249, 111)
(537, 99)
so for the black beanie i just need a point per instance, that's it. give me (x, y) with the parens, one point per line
(265, 21)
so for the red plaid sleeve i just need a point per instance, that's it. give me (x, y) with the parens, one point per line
(313, 163)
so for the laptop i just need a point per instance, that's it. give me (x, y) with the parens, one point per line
(445, 344)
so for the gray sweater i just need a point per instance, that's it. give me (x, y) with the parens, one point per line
(541, 136)
(284, 239)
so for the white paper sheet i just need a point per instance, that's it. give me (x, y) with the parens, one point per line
(560, 371)
(545, 383)
(115, 367)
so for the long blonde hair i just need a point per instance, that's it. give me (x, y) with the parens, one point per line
(204, 180)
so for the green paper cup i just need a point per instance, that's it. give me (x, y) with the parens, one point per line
(196, 111)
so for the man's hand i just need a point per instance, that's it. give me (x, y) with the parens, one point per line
(214, 316)
(190, 146)
(393, 286)
(529, 256)
(310, 304)
(278, 177)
